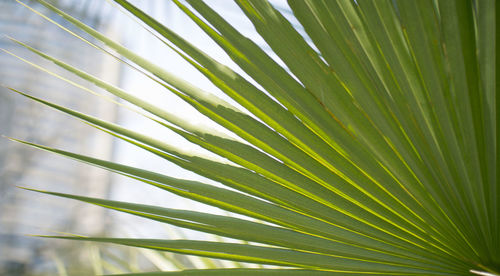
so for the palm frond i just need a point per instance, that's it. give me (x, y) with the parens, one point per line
(374, 150)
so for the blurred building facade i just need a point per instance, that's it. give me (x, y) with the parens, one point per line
(23, 212)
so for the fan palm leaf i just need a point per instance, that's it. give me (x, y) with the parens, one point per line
(369, 148)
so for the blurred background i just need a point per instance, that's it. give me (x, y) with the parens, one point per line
(23, 213)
